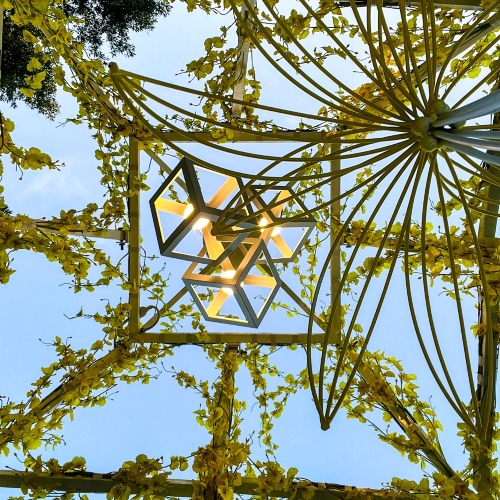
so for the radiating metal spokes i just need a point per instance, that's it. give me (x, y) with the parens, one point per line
(416, 146)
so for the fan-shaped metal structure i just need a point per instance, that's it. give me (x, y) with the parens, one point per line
(417, 145)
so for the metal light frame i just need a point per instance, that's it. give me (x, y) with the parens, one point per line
(236, 285)
(214, 252)
(270, 212)
(274, 221)
(235, 254)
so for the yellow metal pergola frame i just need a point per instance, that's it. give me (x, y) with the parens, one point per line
(99, 483)
(138, 335)
(102, 483)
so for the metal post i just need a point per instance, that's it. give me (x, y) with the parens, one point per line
(335, 262)
(91, 482)
(242, 60)
(222, 428)
(487, 361)
(134, 264)
(1, 38)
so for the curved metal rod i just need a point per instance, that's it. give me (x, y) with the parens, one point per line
(462, 40)
(428, 305)
(456, 287)
(318, 396)
(448, 185)
(223, 224)
(415, 68)
(199, 93)
(376, 57)
(430, 52)
(330, 414)
(480, 83)
(335, 300)
(454, 401)
(408, 89)
(320, 67)
(477, 170)
(271, 60)
(346, 51)
(405, 75)
(489, 399)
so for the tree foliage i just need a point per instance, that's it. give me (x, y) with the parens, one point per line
(94, 24)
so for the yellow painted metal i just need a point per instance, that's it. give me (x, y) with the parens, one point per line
(264, 338)
(172, 207)
(223, 193)
(335, 261)
(91, 482)
(214, 246)
(255, 280)
(53, 227)
(282, 246)
(216, 304)
(134, 268)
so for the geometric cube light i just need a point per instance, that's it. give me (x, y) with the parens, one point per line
(192, 215)
(287, 236)
(240, 291)
(232, 277)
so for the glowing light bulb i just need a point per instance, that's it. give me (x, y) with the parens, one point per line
(201, 223)
(188, 210)
(263, 223)
(228, 274)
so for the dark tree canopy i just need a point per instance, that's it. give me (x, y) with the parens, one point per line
(112, 21)
(100, 22)
(17, 53)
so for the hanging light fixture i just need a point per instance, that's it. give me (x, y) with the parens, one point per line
(244, 285)
(271, 212)
(195, 215)
(232, 277)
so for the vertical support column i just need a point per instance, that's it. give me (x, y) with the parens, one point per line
(335, 262)
(134, 263)
(488, 347)
(225, 394)
(1, 38)
(242, 60)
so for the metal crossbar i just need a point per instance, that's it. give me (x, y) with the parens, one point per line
(91, 482)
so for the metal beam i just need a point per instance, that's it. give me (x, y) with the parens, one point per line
(213, 476)
(54, 227)
(449, 4)
(243, 136)
(487, 346)
(227, 338)
(90, 482)
(62, 392)
(242, 60)
(453, 4)
(335, 272)
(134, 263)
